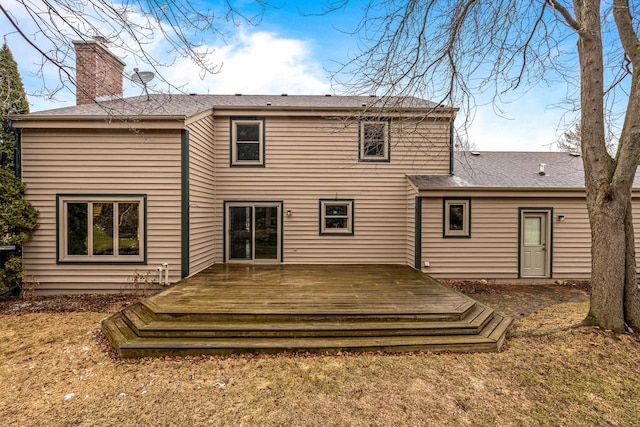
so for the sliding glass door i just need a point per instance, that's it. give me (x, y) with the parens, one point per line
(253, 231)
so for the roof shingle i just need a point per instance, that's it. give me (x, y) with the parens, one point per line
(190, 105)
(491, 169)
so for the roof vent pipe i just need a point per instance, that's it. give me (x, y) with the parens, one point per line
(541, 172)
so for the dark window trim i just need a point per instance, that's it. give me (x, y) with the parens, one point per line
(60, 196)
(444, 217)
(351, 217)
(387, 158)
(263, 144)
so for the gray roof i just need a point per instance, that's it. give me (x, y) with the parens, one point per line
(189, 105)
(493, 169)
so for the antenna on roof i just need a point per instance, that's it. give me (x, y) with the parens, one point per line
(142, 77)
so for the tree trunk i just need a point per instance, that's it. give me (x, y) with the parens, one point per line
(615, 298)
(606, 203)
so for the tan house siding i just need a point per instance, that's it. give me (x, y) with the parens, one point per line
(310, 158)
(202, 184)
(492, 250)
(90, 161)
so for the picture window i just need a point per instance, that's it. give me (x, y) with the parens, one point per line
(100, 229)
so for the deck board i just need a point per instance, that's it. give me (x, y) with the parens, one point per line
(310, 289)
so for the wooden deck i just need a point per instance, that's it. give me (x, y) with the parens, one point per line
(268, 309)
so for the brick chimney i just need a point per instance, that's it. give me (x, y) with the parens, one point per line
(98, 71)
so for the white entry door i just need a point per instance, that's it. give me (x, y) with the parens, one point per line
(534, 250)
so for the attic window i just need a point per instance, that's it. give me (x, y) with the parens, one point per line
(247, 141)
(374, 141)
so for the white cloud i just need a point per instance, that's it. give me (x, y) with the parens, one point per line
(256, 63)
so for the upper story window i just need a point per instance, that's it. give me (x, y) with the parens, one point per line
(374, 141)
(457, 217)
(247, 141)
(101, 229)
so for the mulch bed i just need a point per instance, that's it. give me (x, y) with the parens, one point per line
(97, 303)
(520, 300)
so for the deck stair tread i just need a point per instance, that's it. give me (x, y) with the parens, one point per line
(144, 323)
(140, 346)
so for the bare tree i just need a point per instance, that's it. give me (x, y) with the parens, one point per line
(450, 51)
(132, 26)
(570, 141)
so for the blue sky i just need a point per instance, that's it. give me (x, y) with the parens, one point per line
(289, 52)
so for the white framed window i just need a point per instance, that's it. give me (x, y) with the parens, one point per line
(374, 141)
(457, 217)
(95, 228)
(336, 217)
(247, 141)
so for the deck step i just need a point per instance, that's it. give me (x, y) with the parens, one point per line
(224, 346)
(145, 324)
(132, 336)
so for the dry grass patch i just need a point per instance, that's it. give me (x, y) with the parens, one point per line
(54, 371)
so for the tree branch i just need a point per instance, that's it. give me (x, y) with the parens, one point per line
(570, 20)
(628, 36)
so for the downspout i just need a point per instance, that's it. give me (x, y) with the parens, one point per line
(17, 153)
(451, 148)
(417, 244)
(184, 190)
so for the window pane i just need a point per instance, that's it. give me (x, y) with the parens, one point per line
(336, 223)
(374, 131)
(373, 149)
(266, 232)
(456, 217)
(336, 210)
(248, 132)
(77, 232)
(240, 233)
(248, 151)
(532, 227)
(103, 228)
(128, 221)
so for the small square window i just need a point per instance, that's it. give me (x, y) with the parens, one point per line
(247, 142)
(374, 141)
(336, 217)
(457, 218)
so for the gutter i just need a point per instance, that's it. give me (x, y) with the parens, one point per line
(103, 121)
